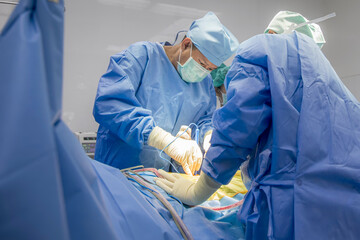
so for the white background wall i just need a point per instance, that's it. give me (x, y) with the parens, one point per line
(97, 29)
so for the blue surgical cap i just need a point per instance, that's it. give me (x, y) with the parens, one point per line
(212, 39)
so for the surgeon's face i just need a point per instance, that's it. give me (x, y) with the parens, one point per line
(196, 55)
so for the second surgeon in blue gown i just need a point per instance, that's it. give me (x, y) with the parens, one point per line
(142, 90)
(290, 115)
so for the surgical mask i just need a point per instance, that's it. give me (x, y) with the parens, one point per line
(192, 71)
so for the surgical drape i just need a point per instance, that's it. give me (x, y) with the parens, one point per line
(49, 188)
(290, 115)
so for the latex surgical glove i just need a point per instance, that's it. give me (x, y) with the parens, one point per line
(186, 135)
(206, 143)
(188, 192)
(186, 152)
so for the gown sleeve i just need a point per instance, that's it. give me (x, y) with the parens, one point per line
(240, 122)
(116, 106)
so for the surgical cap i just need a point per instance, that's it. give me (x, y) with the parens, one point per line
(286, 20)
(212, 39)
(218, 75)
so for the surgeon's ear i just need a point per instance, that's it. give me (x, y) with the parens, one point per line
(186, 43)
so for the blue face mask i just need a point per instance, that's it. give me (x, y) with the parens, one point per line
(191, 71)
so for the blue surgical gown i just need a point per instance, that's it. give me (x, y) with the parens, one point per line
(290, 115)
(140, 90)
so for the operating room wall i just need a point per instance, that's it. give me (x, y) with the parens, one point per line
(343, 37)
(97, 29)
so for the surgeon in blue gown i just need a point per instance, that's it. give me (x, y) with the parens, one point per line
(157, 88)
(292, 118)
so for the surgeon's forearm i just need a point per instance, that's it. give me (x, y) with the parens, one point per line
(202, 190)
(159, 138)
(134, 131)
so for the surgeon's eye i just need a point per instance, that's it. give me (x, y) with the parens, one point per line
(203, 64)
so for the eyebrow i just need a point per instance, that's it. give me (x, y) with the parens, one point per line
(205, 64)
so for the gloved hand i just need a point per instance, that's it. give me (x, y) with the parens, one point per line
(188, 192)
(186, 135)
(185, 152)
(206, 143)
